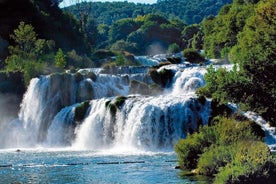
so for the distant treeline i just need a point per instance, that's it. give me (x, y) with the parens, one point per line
(189, 11)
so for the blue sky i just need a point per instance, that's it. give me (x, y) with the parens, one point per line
(69, 2)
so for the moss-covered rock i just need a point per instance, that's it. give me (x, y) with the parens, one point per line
(92, 76)
(202, 99)
(115, 104)
(139, 87)
(80, 111)
(174, 60)
(119, 101)
(193, 56)
(162, 78)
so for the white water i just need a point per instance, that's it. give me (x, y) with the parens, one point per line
(143, 122)
(150, 123)
(47, 114)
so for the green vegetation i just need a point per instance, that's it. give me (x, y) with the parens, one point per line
(136, 29)
(25, 55)
(60, 59)
(229, 150)
(243, 32)
(190, 11)
(193, 56)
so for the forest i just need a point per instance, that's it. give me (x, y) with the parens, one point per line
(33, 34)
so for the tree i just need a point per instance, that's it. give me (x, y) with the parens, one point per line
(60, 59)
(121, 29)
(253, 49)
(25, 37)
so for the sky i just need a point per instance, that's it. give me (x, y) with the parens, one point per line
(69, 2)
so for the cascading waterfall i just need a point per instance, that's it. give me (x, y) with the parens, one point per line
(48, 95)
(144, 122)
(82, 111)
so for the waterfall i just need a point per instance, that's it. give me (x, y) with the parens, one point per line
(87, 111)
(143, 122)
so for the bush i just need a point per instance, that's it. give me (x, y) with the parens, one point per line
(193, 56)
(252, 163)
(173, 48)
(229, 150)
(189, 150)
(214, 158)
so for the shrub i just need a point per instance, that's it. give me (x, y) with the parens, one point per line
(173, 48)
(214, 158)
(229, 150)
(252, 163)
(193, 56)
(190, 149)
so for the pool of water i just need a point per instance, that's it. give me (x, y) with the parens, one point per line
(67, 166)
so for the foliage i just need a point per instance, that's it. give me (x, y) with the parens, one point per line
(229, 150)
(60, 59)
(74, 60)
(192, 36)
(252, 163)
(49, 22)
(245, 32)
(173, 48)
(23, 57)
(134, 28)
(122, 45)
(193, 56)
(222, 31)
(190, 11)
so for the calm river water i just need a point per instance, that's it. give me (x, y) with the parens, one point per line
(67, 166)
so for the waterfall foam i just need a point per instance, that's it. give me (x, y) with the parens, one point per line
(143, 122)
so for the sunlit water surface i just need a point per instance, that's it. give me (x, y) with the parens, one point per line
(67, 166)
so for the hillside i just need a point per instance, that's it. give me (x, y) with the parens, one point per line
(190, 11)
(48, 20)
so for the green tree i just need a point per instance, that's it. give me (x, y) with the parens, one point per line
(173, 48)
(120, 60)
(253, 49)
(25, 55)
(60, 59)
(25, 38)
(121, 29)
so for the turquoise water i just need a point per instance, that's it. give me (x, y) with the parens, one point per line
(36, 166)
